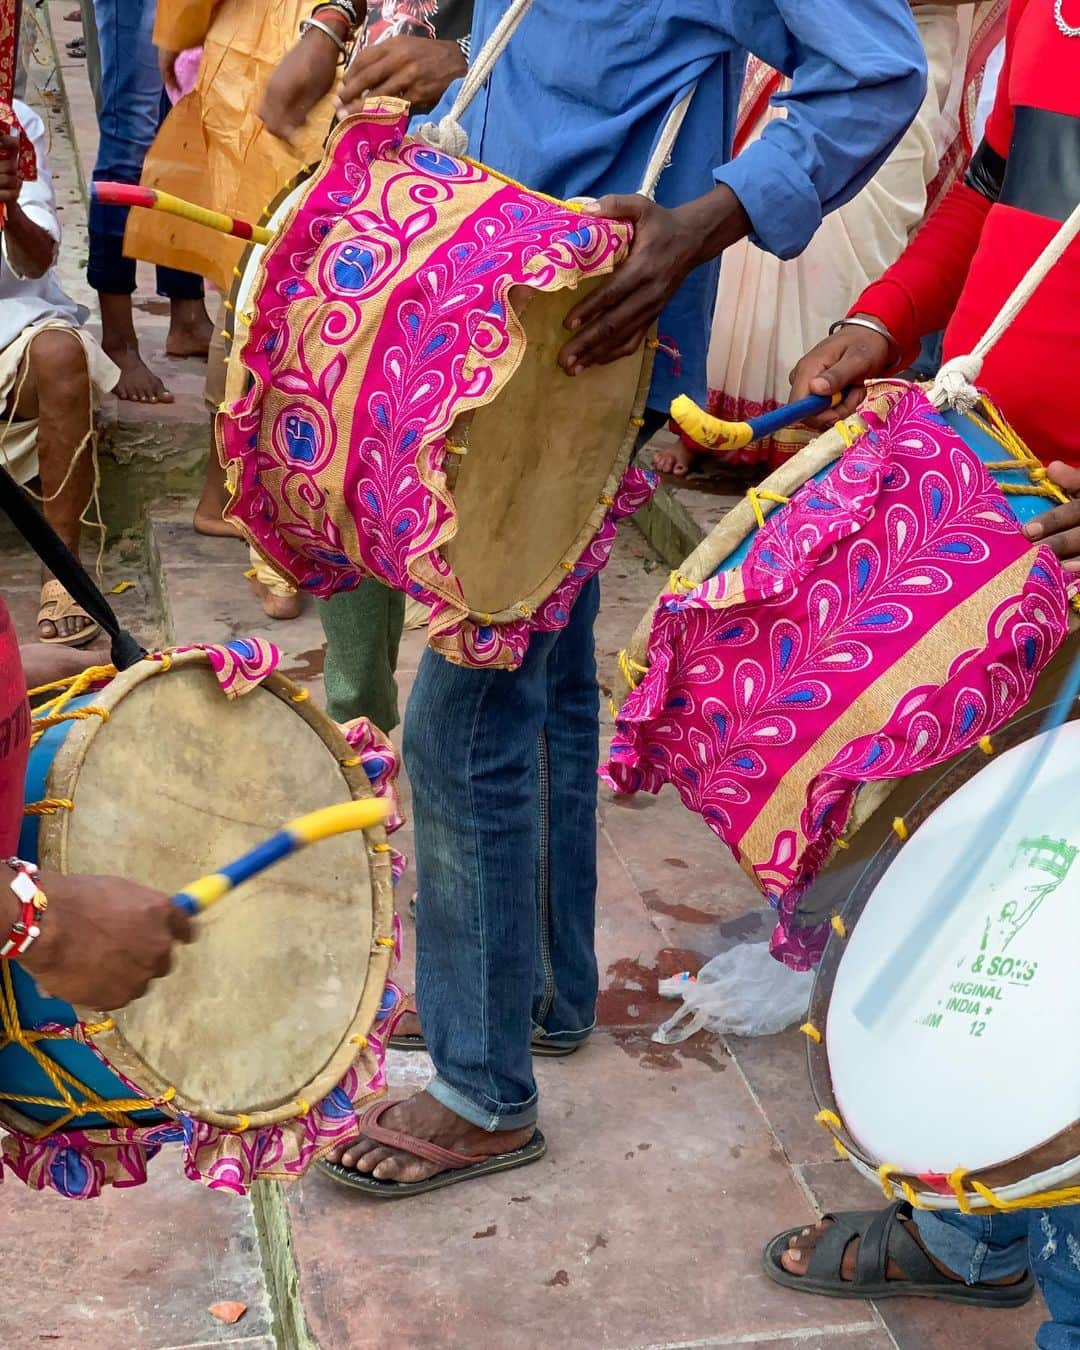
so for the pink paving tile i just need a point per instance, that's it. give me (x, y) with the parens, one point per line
(135, 1270)
(641, 1227)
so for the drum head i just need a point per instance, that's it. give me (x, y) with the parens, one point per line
(949, 1018)
(259, 1011)
(540, 458)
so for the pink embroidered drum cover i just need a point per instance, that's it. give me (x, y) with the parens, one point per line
(885, 619)
(381, 313)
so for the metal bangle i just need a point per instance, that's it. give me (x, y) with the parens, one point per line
(307, 24)
(872, 324)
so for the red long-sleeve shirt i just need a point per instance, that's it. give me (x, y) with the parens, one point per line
(964, 263)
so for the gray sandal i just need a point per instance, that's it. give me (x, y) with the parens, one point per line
(882, 1237)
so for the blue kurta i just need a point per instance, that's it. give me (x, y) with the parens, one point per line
(575, 105)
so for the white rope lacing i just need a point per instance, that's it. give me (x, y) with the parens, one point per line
(669, 134)
(955, 383)
(451, 137)
(448, 134)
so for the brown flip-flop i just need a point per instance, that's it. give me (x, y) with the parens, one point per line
(543, 1047)
(458, 1166)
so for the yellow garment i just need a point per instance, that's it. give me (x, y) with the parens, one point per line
(212, 148)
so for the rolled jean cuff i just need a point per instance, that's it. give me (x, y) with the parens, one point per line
(564, 1037)
(507, 1118)
(965, 1245)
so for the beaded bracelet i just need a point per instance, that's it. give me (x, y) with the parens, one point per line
(32, 904)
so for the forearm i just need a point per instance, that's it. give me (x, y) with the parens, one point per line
(718, 219)
(30, 249)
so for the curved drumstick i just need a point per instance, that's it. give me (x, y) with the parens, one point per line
(717, 437)
(130, 194)
(304, 830)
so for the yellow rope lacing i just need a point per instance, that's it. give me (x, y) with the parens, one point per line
(52, 711)
(755, 496)
(631, 670)
(963, 1186)
(65, 1083)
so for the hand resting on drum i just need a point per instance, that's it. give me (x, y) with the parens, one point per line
(417, 69)
(846, 360)
(668, 244)
(1060, 528)
(102, 939)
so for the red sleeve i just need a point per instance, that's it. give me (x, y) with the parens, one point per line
(918, 294)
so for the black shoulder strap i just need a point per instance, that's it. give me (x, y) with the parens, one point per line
(66, 568)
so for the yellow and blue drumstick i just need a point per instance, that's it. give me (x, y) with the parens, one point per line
(718, 437)
(304, 830)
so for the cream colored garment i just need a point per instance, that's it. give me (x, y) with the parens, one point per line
(768, 312)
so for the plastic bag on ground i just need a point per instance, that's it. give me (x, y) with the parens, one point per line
(742, 992)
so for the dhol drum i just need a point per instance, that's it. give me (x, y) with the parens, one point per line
(394, 407)
(972, 985)
(869, 612)
(251, 1054)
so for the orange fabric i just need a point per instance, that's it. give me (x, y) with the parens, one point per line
(212, 148)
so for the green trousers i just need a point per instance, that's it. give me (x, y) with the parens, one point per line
(363, 632)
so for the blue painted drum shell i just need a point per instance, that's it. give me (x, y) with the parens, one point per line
(19, 1072)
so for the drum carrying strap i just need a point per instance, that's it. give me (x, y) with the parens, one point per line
(450, 136)
(66, 568)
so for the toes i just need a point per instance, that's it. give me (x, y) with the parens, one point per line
(47, 629)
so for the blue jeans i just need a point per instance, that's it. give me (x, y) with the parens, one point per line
(133, 105)
(503, 771)
(987, 1247)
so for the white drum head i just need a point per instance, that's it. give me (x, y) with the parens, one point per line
(958, 1051)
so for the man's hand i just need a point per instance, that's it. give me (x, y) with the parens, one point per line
(668, 244)
(303, 76)
(414, 68)
(103, 940)
(10, 182)
(1060, 527)
(844, 361)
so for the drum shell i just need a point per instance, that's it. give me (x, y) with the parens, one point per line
(57, 760)
(1053, 1163)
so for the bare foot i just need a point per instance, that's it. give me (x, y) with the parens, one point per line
(276, 606)
(679, 460)
(425, 1118)
(800, 1249)
(190, 329)
(210, 512)
(137, 382)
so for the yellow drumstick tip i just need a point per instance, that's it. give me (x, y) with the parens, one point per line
(364, 814)
(711, 432)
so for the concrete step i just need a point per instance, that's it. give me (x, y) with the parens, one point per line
(205, 597)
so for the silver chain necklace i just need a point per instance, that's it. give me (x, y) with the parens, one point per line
(1067, 29)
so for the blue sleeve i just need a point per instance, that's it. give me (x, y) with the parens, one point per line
(858, 78)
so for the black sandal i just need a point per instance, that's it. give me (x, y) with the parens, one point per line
(882, 1237)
